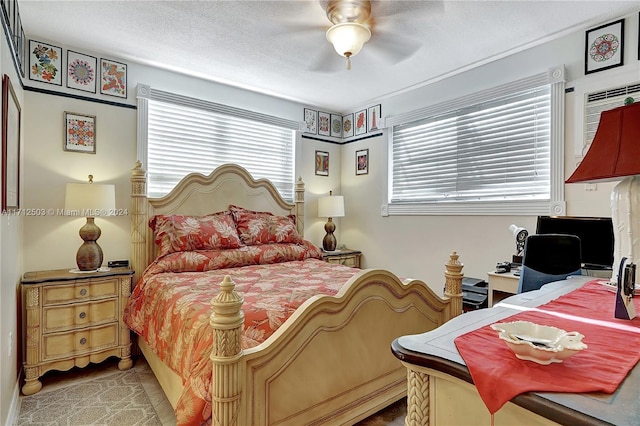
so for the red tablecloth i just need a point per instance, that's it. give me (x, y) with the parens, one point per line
(613, 349)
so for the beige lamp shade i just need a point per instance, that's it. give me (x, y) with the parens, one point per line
(89, 200)
(331, 206)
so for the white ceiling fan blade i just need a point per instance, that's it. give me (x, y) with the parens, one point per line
(413, 8)
(327, 61)
(392, 48)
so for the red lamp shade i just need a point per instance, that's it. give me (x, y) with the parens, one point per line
(615, 150)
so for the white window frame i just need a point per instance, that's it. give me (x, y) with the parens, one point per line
(556, 205)
(145, 94)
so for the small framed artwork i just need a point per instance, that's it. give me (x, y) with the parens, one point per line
(113, 78)
(10, 147)
(322, 163)
(79, 132)
(336, 126)
(347, 126)
(45, 62)
(81, 71)
(310, 121)
(324, 119)
(361, 122)
(362, 162)
(604, 47)
(373, 120)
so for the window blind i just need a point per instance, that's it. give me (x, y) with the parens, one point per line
(498, 149)
(183, 139)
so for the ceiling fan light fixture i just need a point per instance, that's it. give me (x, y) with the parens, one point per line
(348, 38)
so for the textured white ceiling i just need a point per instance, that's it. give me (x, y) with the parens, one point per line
(279, 47)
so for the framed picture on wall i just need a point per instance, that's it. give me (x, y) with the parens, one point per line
(347, 126)
(324, 123)
(336, 126)
(322, 163)
(374, 115)
(310, 121)
(361, 122)
(604, 47)
(79, 132)
(81, 71)
(45, 62)
(362, 162)
(10, 147)
(113, 78)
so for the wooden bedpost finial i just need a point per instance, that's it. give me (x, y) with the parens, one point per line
(227, 320)
(453, 283)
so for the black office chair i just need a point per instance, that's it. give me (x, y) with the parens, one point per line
(548, 258)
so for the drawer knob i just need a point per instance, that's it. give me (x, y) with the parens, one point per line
(83, 292)
(83, 341)
(83, 315)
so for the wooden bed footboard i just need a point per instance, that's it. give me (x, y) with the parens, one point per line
(331, 361)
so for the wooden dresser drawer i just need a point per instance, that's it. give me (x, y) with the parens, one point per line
(80, 290)
(61, 345)
(346, 261)
(67, 317)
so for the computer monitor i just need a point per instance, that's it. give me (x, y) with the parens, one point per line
(595, 233)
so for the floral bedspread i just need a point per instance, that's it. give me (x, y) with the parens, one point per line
(171, 305)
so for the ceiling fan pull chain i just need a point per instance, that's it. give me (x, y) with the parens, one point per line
(348, 62)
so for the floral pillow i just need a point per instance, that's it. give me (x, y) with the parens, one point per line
(175, 233)
(257, 228)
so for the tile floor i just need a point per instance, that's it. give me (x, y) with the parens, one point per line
(391, 416)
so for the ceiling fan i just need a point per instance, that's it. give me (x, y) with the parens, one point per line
(350, 30)
(383, 24)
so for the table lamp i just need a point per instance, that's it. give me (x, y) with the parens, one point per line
(330, 207)
(614, 154)
(89, 200)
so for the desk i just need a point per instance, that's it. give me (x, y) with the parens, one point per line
(439, 381)
(501, 286)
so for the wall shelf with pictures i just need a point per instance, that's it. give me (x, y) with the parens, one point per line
(341, 128)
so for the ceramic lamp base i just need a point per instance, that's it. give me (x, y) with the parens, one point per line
(329, 242)
(89, 256)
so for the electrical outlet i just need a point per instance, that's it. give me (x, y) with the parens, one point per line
(10, 343)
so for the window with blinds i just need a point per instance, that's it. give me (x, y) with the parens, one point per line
(182, 139)
(498, 149)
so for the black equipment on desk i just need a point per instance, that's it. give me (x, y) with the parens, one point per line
(475, 294)
(503, 267)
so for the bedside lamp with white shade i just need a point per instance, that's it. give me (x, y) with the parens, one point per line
(330, 207)
(90, 200)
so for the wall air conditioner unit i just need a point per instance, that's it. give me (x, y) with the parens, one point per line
(603, 100)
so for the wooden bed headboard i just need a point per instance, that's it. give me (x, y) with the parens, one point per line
(199, 195)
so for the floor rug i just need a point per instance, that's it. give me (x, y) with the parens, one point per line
(112, 400)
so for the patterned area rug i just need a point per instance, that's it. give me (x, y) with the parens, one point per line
(113, 400)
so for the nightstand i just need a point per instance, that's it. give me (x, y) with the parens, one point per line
(345, 257)
(72, 319)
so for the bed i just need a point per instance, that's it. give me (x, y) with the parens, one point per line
(322, 357)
